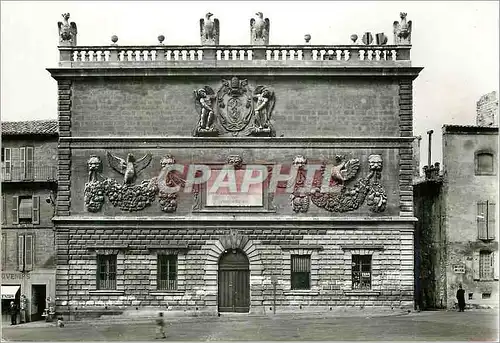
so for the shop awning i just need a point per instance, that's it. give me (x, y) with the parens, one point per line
(9, 292)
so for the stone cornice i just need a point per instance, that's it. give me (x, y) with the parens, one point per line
(204, 221)
(241, 142)
(397, 70)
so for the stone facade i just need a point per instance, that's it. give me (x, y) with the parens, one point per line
(487, 110)
(28, 239)
(360, 119)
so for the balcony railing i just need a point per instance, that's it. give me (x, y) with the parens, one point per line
(163, 54)
(33, 174)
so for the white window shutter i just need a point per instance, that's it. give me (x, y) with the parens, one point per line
(20, 252)
(15, 209)
(494, 260)
(35, 210)
(481, 217)
(7, 164)
(475, 265)
(491, 220)
(29, 163)
(22, 162)
(28, 252)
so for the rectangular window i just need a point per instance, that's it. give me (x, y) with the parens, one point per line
(485, 265)
(25, 209)
(301, 272)
(7, 164)
(4, 209)
(361, 271)
(4, 250)
(106, 272)
(486, 213)
(167, 272)
(25, 252)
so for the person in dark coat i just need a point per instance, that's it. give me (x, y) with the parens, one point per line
(461, 298)
(13, 313)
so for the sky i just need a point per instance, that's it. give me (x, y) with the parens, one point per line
(457, 43)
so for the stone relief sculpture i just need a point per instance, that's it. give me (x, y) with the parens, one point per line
(94, 189)
(129, 167)
(209, 30)
(339, 197)
(259, 30)
(236, 161)
(300, 199)
(402, 31)
(235, 110)
(204, 99)
(167, 181)
(264, 106)
(67, 31)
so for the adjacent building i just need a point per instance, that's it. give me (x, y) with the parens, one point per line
(458, 216)
(175, 165)
(29, 185)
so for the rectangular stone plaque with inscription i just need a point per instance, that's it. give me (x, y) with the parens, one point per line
(228, 189)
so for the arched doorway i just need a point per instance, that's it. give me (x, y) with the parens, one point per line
(234, 282)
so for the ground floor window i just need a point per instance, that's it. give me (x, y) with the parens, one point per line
(485, 265)
(361, 271)
(106, 272)
(167, 272)
(301, 272)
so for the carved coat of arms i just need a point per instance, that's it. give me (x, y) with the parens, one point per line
(234, 102)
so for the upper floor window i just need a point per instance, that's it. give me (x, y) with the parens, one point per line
(25, 250)
(486, 211)
(301, 272)
(485, 164)
(26, 209)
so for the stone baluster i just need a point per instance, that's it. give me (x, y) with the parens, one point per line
(307, 54)
(354, 54)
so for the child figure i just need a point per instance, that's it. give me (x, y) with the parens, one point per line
(160, 326)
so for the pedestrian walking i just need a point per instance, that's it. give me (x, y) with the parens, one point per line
(160, 326)
(461, 298)
(13, 313)
(23, 316)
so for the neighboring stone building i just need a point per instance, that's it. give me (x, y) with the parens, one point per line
(128, 115)
(29, 185)
(487, 110)
(457, 233)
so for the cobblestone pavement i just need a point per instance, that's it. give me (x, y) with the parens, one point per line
(424, 326)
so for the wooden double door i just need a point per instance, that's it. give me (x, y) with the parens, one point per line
(234, 282)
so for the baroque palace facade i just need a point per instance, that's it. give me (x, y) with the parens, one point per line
(160, 148)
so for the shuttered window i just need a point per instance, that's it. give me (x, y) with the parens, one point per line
(4, 250)
(4, 209)
(7, 164)
(106, 272)
(25, 252)
(167, 272)
(25, 208)
(15, 209)
(301, 272)
(35, 209)
(361, 271)
(486, 218)
(484, 163)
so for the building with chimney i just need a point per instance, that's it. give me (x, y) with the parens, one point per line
(29, 186)
(457, 233)
(252, 178)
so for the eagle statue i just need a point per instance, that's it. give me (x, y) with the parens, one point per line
(402, 31)
(345, 170)
(67, 31)
(130, 167)
(209, 30)
(259, 30)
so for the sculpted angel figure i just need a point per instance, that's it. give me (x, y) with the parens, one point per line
(204, 97)
(264, 107)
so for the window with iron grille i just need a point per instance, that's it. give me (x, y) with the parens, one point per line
(361, 271)
(301, 271)
(486, 220)
(106, 272)
(485, 265)
(167, 272)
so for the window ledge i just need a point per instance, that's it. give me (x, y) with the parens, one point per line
(107, 292)
(360, 293)
(301, 292)
(165, 292)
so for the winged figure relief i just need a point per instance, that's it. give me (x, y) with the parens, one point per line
(67, 30)
(259, 29)
(209, 30)
(130, 167)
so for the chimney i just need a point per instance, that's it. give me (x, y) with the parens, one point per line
(487, 110)
(431, 171)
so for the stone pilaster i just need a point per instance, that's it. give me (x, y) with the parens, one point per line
(406, 154)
